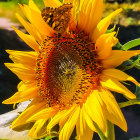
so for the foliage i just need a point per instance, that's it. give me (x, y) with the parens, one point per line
(136, 138)
(132, 62)
(131, 44)
(121, 1)
(25, 1)
(49, 137)
(9, 8)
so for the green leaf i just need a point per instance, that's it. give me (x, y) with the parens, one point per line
(118, 46)
(133, 63)
(134, 101)
(131, 44)
(49, 137)
(135, 138)
(137, 92)
(130, 102)
(100, 133)
(129, 64)
(110, 134)
(138, 66)
(111, 30)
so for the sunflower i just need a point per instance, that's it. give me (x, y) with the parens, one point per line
(69, 76)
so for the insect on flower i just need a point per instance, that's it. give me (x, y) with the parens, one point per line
(58, 18)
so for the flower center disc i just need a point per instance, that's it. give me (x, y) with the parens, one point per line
(67, 69)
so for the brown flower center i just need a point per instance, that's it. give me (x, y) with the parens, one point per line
(67, 69)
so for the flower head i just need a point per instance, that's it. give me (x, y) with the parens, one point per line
(71, 71)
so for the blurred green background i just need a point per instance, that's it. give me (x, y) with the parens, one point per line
(129, 28)
(130, 15)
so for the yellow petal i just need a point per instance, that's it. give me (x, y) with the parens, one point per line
(37, 23)
(22, 119)
(78, 129)
(22, 86)
(33, 6)
(103, 25)
(84, 14)
(95, 15)
(114, 85)
(104, 45)
(117, 57)
(73, 20)
(38, 131)
(36, 101)
(28, 39)
(22, 96)
(44, 114)
(26, 11)
(28, 59)
(52, 3)
(113, 112)
(29, 28)
(68, 1)
(119, 75)
(82, 121)
(37, 20)
(80, 125)
(67, 129)
(21, 71)
(57, 118)
(86, 135)
(101, 40)
(94, 107)
(22, 8)
(62, 122)
(88, 120)
(65, 117)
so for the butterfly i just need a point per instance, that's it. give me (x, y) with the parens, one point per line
(57, 18)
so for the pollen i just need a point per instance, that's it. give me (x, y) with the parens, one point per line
(67, 69)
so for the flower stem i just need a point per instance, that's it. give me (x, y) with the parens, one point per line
(110, 131)
(128, 103)
(100, 133)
